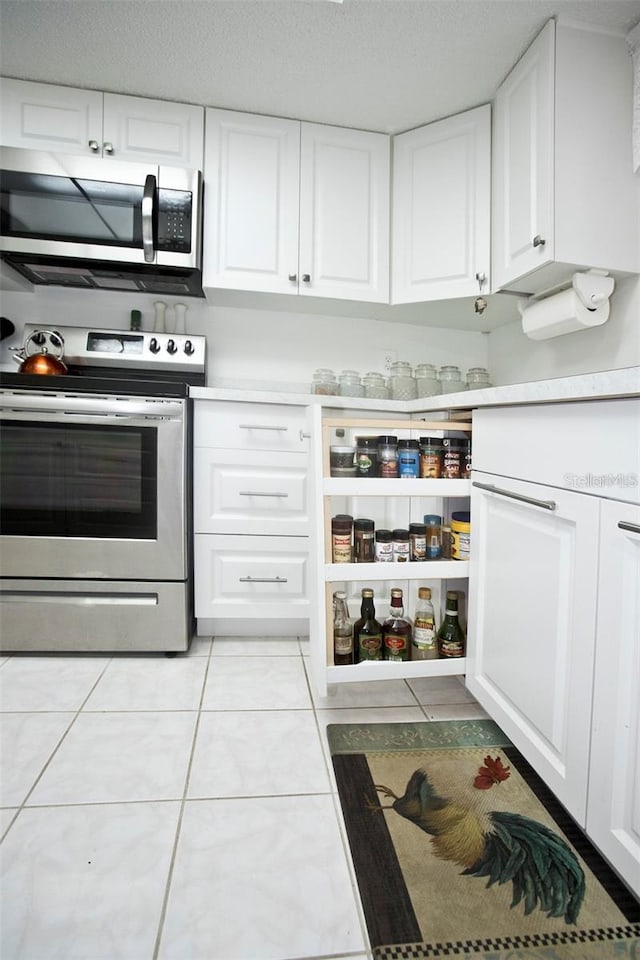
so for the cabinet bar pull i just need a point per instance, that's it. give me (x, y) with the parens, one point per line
(263, 580)
(259, 426)
(545, 504)
(259, 493)
(631, 527)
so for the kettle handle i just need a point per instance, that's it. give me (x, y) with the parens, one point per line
(55, 340)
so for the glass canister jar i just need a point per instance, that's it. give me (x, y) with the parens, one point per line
(324, 382)
(427, 383)
(450, 378)
(375, 386)
(350, 384)
(402, 382)
(477, 378)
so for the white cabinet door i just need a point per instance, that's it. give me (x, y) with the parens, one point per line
(42, 116)
(613, 817)
(441, 213)
(154, 131)
(523, 144)
(533, 581)
(344, 214)
(251, 195)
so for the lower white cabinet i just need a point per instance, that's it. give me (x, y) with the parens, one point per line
(534, 571)
(613, 811)
(251, 518)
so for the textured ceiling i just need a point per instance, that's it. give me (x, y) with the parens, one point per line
(385, 65)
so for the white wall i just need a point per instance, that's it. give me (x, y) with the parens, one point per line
(513, 358)
(251, 347)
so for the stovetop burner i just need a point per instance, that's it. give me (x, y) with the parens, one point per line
(119, 363)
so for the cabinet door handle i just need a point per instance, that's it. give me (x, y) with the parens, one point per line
(538, 241)
(107, 146)
(293, 277)
(263, 580)
(631, 527)
(94, 146)
(304, 436)
(545, 504)
(258, 493)
(259, 426)
(306, 278)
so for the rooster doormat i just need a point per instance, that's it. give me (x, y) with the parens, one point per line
(461, 851)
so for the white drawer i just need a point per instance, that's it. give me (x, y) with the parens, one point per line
(250, 426)
(238, 491)
(251, 577)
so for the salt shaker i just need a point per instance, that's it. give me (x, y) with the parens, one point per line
(159, 325)
(180, 310)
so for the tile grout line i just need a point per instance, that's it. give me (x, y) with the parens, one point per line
(167, 890)
(57, 746)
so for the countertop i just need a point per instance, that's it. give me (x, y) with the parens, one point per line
(590, 386)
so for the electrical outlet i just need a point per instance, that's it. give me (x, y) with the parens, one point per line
(388, 357)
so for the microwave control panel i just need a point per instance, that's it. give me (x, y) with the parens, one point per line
(174, 220)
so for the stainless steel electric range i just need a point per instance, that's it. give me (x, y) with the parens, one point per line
(95, 495)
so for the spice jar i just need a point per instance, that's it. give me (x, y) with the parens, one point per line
(350, 384)
(375, 386)
(384, 546)
(408, 458)
(324, 382)
(431, 451)
(401, 380)
(433, 536)
(367, 456)
(401, 546)
(417, 541)
(341, 461)
(341, 538)
(388, 456)
(363, 541)
(452, 461)
(450, 378)
(427, 383)
(465, 465)
(460, 535)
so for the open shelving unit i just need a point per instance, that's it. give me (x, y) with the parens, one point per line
(336, 495)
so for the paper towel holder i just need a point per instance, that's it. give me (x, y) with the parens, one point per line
(593, 288)
(550, 314)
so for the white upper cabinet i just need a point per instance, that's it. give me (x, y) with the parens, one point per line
(251, 202)
(441, 209)
(564, 195)
(42, 116)
(344, 213)
(295, 208)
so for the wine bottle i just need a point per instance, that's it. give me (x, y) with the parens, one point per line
(396, 630)
(451, 638)
(424, 645)
(367, 632)
(342, 630)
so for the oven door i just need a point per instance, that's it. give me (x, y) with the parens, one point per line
(93, 488)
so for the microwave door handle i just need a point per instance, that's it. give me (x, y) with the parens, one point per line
(148, 198)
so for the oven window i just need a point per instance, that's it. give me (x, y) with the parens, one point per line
(78, 480)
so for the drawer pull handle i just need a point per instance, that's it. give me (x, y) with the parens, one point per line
(258, 493)
(260, 426)
(304, 436)
(631, 527)
(263, 580)
(545, 504)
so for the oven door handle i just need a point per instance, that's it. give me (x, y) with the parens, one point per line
(115, 408)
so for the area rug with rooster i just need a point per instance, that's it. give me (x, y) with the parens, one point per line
(461, 851)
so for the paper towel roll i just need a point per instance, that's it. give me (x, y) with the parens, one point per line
(559, 314)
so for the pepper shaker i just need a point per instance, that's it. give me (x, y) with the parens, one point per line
(159, 325)
(180, 310)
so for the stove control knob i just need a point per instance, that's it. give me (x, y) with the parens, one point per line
(154, 346)
(171, 347)
(189, 348)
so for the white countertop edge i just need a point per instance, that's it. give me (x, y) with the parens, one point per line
(607, 384)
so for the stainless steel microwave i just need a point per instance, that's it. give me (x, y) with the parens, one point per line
(100, 223)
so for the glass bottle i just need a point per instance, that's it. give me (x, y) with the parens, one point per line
(424, 645)
(342, 630)
(396, 630)
(367, 632)
(451, 638)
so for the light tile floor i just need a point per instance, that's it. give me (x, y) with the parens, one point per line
(185, 808)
